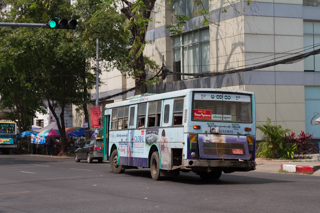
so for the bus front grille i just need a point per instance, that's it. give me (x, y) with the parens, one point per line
(224, 149)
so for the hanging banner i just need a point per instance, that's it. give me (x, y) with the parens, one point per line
(95, 113)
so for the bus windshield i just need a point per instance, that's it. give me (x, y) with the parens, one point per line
(7, 128)
(224, 107)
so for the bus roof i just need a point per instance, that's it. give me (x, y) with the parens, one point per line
(167, 95)
(6, 122)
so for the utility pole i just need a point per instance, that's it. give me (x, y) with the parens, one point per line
(97, 73)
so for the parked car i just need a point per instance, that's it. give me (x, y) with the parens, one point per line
(89, 150)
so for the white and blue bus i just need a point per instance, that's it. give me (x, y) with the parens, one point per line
(207, 131)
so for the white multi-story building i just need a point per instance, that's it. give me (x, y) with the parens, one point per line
(244, 36)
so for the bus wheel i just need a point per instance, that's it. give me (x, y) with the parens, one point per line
(215, 175)
(116, 168)
(154, 166)
(5, 151)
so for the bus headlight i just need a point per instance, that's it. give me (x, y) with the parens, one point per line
(193, 154)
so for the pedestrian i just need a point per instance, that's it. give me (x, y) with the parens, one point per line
(51, 146)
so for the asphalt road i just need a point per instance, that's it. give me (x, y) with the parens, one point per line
(50, 184)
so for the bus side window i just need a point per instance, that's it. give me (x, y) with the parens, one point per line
(154, 114)
(125, 120)
(141, 115)
(120, 117)
(114, 121)
(158, 113)
(132, 112)
(166, 113)
(177, 112)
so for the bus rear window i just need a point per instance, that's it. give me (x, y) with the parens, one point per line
(226, 107)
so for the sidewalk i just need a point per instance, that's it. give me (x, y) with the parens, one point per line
(273, 166)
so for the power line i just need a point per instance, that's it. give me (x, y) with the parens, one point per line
(289, 60)
(131, 89)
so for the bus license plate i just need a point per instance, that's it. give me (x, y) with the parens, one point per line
(237, 151)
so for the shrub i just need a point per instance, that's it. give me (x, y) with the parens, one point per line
(302, 141)
(274, 144)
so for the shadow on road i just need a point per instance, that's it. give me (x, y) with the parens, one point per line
(192, 178)
(11, 159)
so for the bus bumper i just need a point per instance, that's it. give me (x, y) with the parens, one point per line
(224, 165)
(8, 146)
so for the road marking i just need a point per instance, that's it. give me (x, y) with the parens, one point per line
(40, 165)
(9, 193)
(81, 169)
(22, 192)
(28, 172)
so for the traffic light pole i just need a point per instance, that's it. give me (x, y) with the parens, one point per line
(8, 24)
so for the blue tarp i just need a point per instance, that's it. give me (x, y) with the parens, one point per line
(78, 133)
(25, 133)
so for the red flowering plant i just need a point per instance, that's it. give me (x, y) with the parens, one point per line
(302, 142)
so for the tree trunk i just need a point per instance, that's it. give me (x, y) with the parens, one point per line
(138, 34)
(85, 105)
(61, 127)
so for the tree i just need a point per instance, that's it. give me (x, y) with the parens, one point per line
(59, 59)
(54, 59)
(19, 99)
(138, 15)
(97, 18)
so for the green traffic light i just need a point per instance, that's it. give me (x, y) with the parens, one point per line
(52, 24)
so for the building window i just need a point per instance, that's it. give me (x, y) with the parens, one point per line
(187, 8)
(40, 122)
(311, 3)
(311, 42)
(191, 53)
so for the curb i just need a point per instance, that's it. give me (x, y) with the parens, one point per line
(299, 169)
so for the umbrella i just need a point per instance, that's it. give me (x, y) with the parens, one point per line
(71, 129)
(24, 134)
(52, 125)
(37, 139)
(50, 133)
(35, 127)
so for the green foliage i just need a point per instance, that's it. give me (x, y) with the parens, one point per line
(179, 27)
(274, 144)
(43, 64)
(290, 150)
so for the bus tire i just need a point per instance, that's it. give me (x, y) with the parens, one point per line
(215, 175)
(115, 167)
(76, 158)
(154, 166)
(5, 151)
(89, 159)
